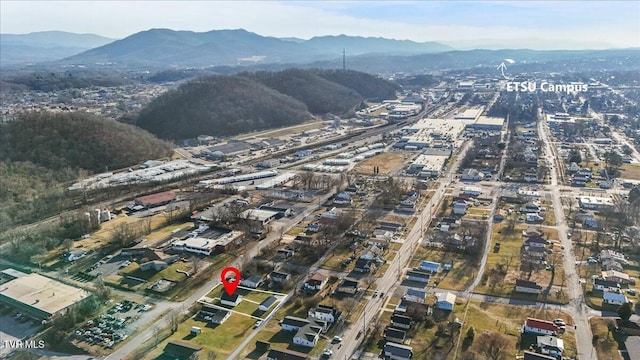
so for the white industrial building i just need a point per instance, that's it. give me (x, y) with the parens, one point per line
(470, 114)
(485, 123)
(595, 202)
(431, 133)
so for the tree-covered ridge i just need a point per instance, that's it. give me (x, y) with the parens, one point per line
(228, 105)
(369, 86)
(320, 95)
(220, 106)
(77, 140)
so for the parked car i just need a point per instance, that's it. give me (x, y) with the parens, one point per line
(559, 322)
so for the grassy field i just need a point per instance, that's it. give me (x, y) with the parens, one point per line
(279, 339)
(218, 339)
(630, 171)
(386, 162)
(458, 278)
(508, 320)
(607, 343)
(285, 131)
(504, 268)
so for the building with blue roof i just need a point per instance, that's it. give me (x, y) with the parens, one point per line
(430, 266)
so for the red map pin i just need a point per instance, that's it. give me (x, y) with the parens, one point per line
(230, 284)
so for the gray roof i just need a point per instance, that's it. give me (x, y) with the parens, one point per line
(398, 349)
(268, 301)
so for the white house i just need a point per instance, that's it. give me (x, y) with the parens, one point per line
(472, 175)
(308, 335)
(613, 298)
(292, 323)
(446, 301)
(267, 303)
(316, 282)
(550, 345)
(540, 327)
(324, 313)
(252, 281)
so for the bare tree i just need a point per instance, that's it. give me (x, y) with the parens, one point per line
(174, 321)
(494, 345)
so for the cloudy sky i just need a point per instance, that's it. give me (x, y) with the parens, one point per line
(595, 23)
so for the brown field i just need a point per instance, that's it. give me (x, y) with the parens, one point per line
(285, 131)
(386, 162)
(629, 171)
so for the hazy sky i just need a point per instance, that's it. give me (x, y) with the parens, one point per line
(614, 23)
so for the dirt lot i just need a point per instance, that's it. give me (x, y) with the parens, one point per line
(629, 171)
(387, 162)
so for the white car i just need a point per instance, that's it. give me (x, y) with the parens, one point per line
(559, 322)
(327, 352)
(337, 339)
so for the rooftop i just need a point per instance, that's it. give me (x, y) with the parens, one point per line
(42, 293)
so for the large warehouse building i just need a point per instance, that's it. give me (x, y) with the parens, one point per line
(38, 296)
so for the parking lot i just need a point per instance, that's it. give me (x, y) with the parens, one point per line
(14, 328)
(113, 327)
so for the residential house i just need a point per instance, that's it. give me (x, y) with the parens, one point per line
(342, 199)
(471, 175)
(419, 276)
(430, 266)
(279, 277)
(253, 281)
(315, 283)
(614, 255)
(534, 255)
(371, 253)
(394, 335)
(532, 231)
(446, 301)
(499, 215)
(230, 300)
(395, 351)
(401, 321)
(380, 243)
(325, 313)
(416, 296)
(540, 327)
(614, 298)
(292, 323)
(267, 303)
(284, 354)
(285, 253)
(471, 190)
(533, 218)
(215, 315)
(308, 335)
(460, 207)
(617, 276)
(591, 223)
(529, 355)
(74, 255)
(348, 286)
(550, 345)
(611, 264)
(535, 241)
(530, 208)
(605, 285)
(365, 266)
(530, 287)
(573, 168)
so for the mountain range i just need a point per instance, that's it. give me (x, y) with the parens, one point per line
(46, 46)
(162, 47)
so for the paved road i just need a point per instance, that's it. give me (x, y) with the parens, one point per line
(162, 307)
(391, 279)
(577, 308)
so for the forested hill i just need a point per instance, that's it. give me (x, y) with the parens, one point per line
(319, 95)
(77, 140)
(220, 106)
(229, 105)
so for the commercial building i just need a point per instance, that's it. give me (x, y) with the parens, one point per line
(40, 297)
(595, 202)
(470, 114)
(154, 200)
(206, 246)
(486, 123)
